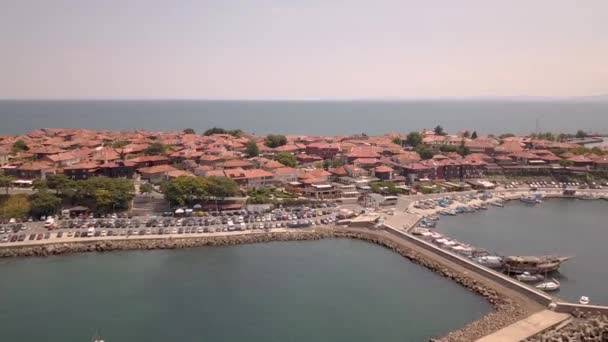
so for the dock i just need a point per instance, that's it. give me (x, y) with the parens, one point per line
(528, 327)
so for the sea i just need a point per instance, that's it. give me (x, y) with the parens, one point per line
(308, 117)
(327, 290)
(565, 227)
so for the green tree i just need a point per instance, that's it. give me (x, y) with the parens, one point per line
(6, 181)
(466, 134)
(580, 134)
(44, 203)
(414, 139)
(40, 184)
(19, 146)
(60, 183)
(397, 141)
(463, 150)
(566, 163)
(275, 140)
(121, 192)
(119, 144)
(104, 201)
(424, 152)
(439, 130)
(214, 130)
(16, 206)
(189, 131)
(184, 190)
(474, 135)
(221, 187)
(252, 149)
(146, 189)
(286, 159)
(449, 148)
(156, 149)
(506, 135)
(333, 163)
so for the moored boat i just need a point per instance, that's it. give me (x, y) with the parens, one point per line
(584, 300)
(527, 277)
(491, 261)
(532, 264)
(552, 285)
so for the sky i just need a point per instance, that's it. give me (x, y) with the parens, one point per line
(302, 49)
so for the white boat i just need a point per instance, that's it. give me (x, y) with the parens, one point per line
(491, 261)
(527, 277)
(584, 300)
(552, 285)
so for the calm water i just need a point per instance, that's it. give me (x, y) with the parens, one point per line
(330, 290)
(564, 227)
(307, 117)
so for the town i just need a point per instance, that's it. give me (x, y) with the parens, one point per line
(104, 172)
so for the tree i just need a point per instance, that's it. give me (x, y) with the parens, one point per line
(506, 135)
(580, 134)
(40, 184)
(414, 139)
(332, 163)
(397, 141)
(566, 163)
(424, 152)
(184, 190)
(119, 191)
(156, 149)
(146, 189)
(214, 130)
(16, 206)
(275, 140)
(60, 183)
(6, 181)
(463, 150)
(221, 187)
(189, 131)
(474, 135)
(286, 159)
(20, 146)
(119, 144)
(466, 134)
(252, 149)
(439, 130)
(44, 203)
(104, 201)
(448, 148)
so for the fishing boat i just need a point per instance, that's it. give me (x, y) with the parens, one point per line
(527, 277)
(552, 285)
(584, 300)
(532, 264)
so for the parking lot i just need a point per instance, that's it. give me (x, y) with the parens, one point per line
(90, 227)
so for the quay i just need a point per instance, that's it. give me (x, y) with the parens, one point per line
(527, 327)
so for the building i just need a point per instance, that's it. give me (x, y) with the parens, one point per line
(284, 175)
(81, 170)
(383, 172)
(155, 174)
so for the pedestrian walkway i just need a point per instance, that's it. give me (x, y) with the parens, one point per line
(527, 327)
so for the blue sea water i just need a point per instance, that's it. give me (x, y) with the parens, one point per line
(306, 117)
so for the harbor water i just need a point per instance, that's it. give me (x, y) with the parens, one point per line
(328, 290)
(565, 227)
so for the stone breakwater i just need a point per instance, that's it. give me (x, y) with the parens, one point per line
(507, 310)
(586, 326)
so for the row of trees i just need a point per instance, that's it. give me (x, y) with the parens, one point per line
(192, 190)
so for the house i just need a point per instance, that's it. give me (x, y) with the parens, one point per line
(323, 150)
(249, 179)
(148, 161)
(155, 174)
(581, 161)
(308, 159)
(35, 170)
(118, 169)
(62, 159)
(383, 172)
(236, 164)
(480, 146)
(81, 171)
(601, 163)
(285, 175)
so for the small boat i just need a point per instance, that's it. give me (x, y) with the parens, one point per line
(491, 261)
(584, 300)
(530, 199)
(527, 277)
(552, 285)
(497, 204)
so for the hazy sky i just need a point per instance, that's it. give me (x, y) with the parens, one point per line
(302, 49)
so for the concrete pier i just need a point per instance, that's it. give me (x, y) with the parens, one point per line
(528, 327)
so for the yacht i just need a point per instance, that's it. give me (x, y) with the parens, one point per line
(527, 277)
(552, 285)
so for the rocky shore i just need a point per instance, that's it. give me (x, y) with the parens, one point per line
(506, 311)
(585, 326)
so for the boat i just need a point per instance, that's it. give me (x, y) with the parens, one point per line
(491, 261)
(584, 300)
(527, 277)
(552, 285)
(497, 204)
(532, 199)
(532, 264)
(97, 338)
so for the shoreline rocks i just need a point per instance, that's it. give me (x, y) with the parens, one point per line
(506, 309)
(585, 326)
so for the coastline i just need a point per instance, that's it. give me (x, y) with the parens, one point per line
(508, 307)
